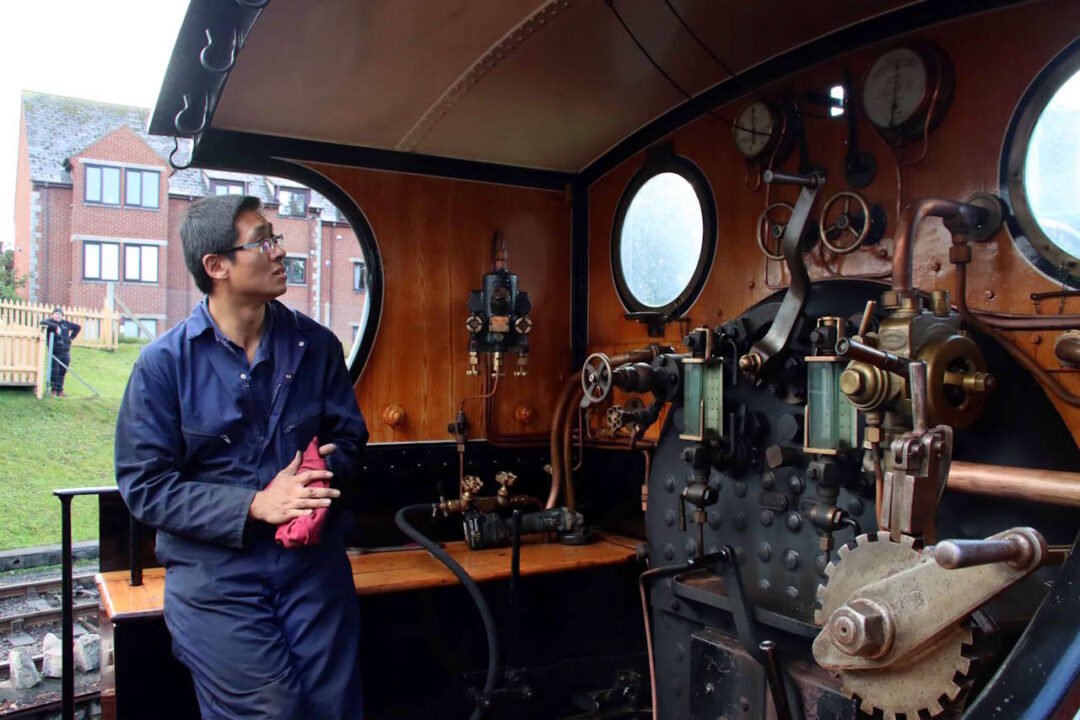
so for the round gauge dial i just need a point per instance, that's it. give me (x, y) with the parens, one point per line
(903, 86)
(756, 129)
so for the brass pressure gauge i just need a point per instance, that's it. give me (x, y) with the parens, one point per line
(908, 91)
(761, 128)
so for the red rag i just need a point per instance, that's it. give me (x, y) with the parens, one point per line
(306, 529)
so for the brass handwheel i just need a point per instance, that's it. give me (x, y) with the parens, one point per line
(770, 229)
(852, 223)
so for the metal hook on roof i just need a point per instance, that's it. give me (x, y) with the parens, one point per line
(176, 149)
(232, 53)
(187, 105)
(253, 4)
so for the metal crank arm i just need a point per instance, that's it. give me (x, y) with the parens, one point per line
(892, 620)
(762, 355)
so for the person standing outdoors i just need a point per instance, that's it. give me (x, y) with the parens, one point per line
(209, 439)
(62, 332)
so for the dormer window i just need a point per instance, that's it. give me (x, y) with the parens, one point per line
(226, 187)
(102, 185)
(293, 201)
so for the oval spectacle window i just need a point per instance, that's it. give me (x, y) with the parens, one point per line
(663, 240)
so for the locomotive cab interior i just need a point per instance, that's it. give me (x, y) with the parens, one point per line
(721, 359)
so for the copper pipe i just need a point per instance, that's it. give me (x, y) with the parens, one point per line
(1054, 487)
(554, 438)
(561, 425)
(648, 575)
(903, 250)
(567, 448)
(1044, 378)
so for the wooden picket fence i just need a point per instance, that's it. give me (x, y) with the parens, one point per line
(24, 348)
(100, 328)
(23, 356)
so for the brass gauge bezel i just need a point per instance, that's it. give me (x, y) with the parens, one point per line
(939, 74)
(781, 137)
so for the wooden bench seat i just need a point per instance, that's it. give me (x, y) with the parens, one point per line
(394, 571)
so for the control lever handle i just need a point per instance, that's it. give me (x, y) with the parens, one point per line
(812, 181)
(1020, 548)
(849, 349)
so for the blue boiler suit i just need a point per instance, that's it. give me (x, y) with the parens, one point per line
(266, 632)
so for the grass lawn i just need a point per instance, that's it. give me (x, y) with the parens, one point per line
(60, 442)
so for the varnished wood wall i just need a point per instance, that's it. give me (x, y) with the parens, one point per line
(996, 55)
(435, 239)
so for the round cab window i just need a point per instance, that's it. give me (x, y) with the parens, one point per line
(1042, 169)
(663, 239)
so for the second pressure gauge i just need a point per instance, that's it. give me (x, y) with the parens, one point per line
(760, 129)
(907, 88)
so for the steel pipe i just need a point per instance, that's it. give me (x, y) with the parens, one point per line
(1053, 487)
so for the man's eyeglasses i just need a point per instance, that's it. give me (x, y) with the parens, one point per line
(265, 245)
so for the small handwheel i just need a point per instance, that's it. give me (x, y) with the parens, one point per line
(596, 377)
(852, 223)
(770, 229)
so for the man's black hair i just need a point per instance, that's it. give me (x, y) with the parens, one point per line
(210, 227)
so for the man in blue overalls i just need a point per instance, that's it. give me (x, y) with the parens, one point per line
(208, 445)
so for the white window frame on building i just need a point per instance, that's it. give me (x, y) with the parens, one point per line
(355, 327)
(129, 329)
(143, 199)
(303, 264)
(231, 187)
(102, 249)
(101, 171)
(287, 201)
(359, 277)
(145, 268)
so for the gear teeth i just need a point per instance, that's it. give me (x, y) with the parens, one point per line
(842, 552)
(963, 666)
(829, 570)
(969, 637)
(953, 692)
(934, 707)
(882, 536)
(907, 541)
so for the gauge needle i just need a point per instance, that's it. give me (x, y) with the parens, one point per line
(896, 95)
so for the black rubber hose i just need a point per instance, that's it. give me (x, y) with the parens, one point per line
(474, 592)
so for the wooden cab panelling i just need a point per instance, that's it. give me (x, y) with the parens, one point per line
(995, 54)
(435, 238)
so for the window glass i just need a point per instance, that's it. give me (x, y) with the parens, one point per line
(661, 240)
(134, 188)
(1052, 168)
(359, 277)
(130, 329)
(295, 270)
(91, 261)
(131, 262)
(93, 184)
(149, 264)
(150, 186)
(110, 186)
(293, 202)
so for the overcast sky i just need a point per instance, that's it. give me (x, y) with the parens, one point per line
(109, 50)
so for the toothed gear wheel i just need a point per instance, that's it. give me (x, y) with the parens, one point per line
(920, 685)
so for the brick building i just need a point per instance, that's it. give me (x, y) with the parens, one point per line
(97, 202)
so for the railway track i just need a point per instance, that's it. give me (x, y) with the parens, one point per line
(44, 587)
(33, 608)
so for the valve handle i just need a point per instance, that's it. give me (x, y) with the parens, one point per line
(596, 379)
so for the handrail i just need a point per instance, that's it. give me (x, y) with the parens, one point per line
(67, 606)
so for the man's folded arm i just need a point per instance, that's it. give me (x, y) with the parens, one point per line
(149, 442)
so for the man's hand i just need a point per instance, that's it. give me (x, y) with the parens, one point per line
(288, 495)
